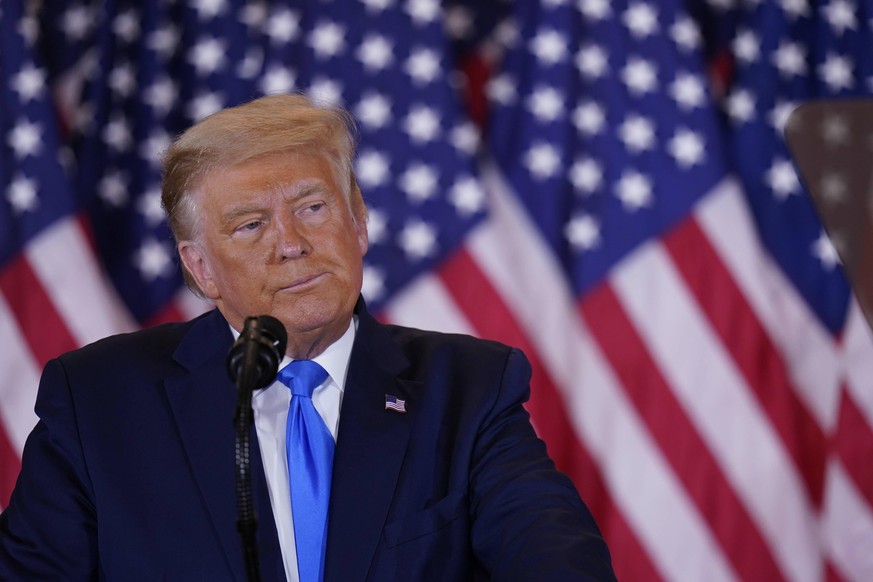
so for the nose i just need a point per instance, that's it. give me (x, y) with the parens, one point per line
(291, 240)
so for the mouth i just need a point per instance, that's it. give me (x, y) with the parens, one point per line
(304, 282)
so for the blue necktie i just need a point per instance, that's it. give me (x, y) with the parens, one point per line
(309, 446)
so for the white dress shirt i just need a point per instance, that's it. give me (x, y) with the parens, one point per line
(270, 407)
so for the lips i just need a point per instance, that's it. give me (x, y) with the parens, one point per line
(303, 282)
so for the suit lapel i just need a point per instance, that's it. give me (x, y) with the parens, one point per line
(203, 401)
(370, 448)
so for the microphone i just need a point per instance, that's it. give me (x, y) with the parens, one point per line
(254, 357)
(253, 362)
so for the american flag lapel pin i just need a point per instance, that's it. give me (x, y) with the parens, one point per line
(394, 403)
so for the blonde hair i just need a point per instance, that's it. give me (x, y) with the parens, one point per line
(231, 136)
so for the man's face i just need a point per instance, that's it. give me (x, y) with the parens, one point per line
(277, 237)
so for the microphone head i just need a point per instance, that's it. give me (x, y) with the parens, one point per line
(260, 346)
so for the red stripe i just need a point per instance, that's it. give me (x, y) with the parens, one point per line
(853, 442)
(677, 438)
(10, 465)
(40, 323)
(489, 315)
(760, 362)
(831, 575)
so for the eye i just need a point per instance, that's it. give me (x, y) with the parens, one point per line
(315, 207)
(251, 225)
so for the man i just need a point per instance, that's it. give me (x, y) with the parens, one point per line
(436, 471)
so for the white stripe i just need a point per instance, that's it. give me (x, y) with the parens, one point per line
(426, 304)
(676, 536)
(809, 352)
(66, 267)
(858, 354)
(847, 526)
(19, 381)
(721, 406)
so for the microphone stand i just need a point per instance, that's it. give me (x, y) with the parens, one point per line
(246, 521)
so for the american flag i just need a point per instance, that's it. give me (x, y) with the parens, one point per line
(612, 194)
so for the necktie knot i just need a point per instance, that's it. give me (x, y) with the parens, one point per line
(302, 377)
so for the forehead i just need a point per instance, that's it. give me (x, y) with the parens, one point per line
(286, 171)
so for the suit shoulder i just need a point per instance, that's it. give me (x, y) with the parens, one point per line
(457, 349)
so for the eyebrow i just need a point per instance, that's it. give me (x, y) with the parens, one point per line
(296, 191)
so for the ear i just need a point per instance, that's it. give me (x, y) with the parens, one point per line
(195, 261)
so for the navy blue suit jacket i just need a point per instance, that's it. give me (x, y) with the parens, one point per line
(129, 474)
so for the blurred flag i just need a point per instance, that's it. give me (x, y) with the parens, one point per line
(700, 368)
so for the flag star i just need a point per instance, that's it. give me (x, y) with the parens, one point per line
(458, 22)
(780, 113)
(126, 26)
(122, 80)
(637, 133)
(841, 16)
(208, 55)
(208, 9)
(835, 130)
(583, 232)
(422, 124)
(25, 139)
(740, 106)
(465, 137)
(501, 89)
(371, 168)
(640, 76)
(836, 72)
(546, 103)
(747, 46)
(117, 134)
(542, 160)
(377, 5)
(467, 196)
(641, 20)
(22, 195)
(149, 206)
(327, 39)
(592, 61)
(375, 52)
(112, 189)
(686, 147)
(423, 12)
(507, 34)
(549, 47)
(373, 110)
(76, 22)
(325, 91)
(161, 95)
(589, 118)
(251, 64)
(204, 104)
(790, 59)
(283, 26)
(377, 226)
(153, 259)
(586, 175)
(418, 240)
(373, 283)
(277, 79)
(153, 148)
(423, 65)
(833, 187)
(419, 182)
(253, 15)
(825, 251)
(686, 34)
(634, 190)
(794, 8)
(29, 82)
(595, 10)
(782, 179)
(164, 40)
(688, 91)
